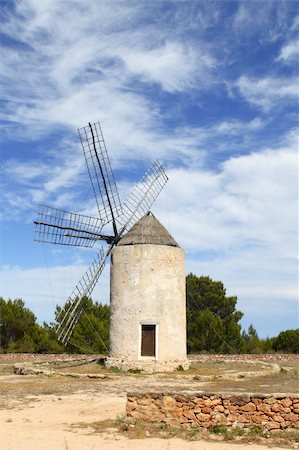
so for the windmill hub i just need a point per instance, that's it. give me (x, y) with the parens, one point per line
(148, 300)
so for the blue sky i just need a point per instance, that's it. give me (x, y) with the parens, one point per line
(208, 88)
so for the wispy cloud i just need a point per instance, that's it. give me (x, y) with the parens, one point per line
(268, 92)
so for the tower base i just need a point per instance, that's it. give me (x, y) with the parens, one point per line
(148, 365)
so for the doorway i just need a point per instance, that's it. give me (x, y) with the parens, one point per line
(148, 340)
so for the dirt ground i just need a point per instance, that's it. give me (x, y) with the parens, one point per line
(39, 412)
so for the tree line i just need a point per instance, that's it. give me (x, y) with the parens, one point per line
(213, 326)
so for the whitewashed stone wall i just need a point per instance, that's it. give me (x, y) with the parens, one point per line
(148, 287)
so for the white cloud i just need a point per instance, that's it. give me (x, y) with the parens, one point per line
(267, 93)
(175, 66)
(290, 52)
(235, 127)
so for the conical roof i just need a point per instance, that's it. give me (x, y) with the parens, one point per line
(148, 231)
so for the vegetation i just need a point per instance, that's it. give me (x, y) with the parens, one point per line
(91, 333)
(19, 332)
(212, 317)
(213, 325)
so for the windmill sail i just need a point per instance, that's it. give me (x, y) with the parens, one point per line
(61, 227)
(56, 226)
(83, 289)
(100, 173)
(143, 196)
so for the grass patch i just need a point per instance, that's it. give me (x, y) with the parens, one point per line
(220, 429)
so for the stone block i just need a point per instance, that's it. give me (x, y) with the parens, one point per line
(231, 408)
(168, 402)
(270, 400)
(209, 402)
(264, 408)
(249, 407)
(144, 401)
(291, 417)
(286, 402)
(272, 425)
(277, 407)
(181, 398)
(131, 405)
(278, 419)
(206, 410)
(259, 418)
(203, 417)
(220, 408)
(239, 400)
(197, 409)
(189, 414)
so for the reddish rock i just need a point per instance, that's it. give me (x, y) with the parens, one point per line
(278, 418)
(131, 405)
(259, 418)
(197, 409)
(277, 407)
(185, 407)
(286, 402)
(189, 415)
(203, 417)
(220, 408)
(264, 408)
(291, 417)
(168, 402)
(144, 401)
(216, 401)
(270, 400)
(231, 408)
(206, 410)
(249, 407)
(207, 424)
(272, 425)
(181, 398)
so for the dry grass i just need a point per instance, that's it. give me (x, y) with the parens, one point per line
(135, 429)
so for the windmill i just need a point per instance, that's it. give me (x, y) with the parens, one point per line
(56, 226)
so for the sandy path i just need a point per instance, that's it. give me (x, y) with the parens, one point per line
(51, 422)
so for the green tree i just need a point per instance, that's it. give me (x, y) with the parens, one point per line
(212, 318)
(91, 333)
(19, 331)
(15, 321)
(251, 341)
(287, 341)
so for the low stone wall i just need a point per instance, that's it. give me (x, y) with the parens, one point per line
(271, 412)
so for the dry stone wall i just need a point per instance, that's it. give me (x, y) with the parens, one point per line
(271, 412)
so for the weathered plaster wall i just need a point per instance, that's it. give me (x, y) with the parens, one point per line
(148, 287)
(271, 412)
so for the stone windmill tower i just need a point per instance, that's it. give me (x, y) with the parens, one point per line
(147, 300)
(148, 314)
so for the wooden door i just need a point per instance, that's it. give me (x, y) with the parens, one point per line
(148, 340)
